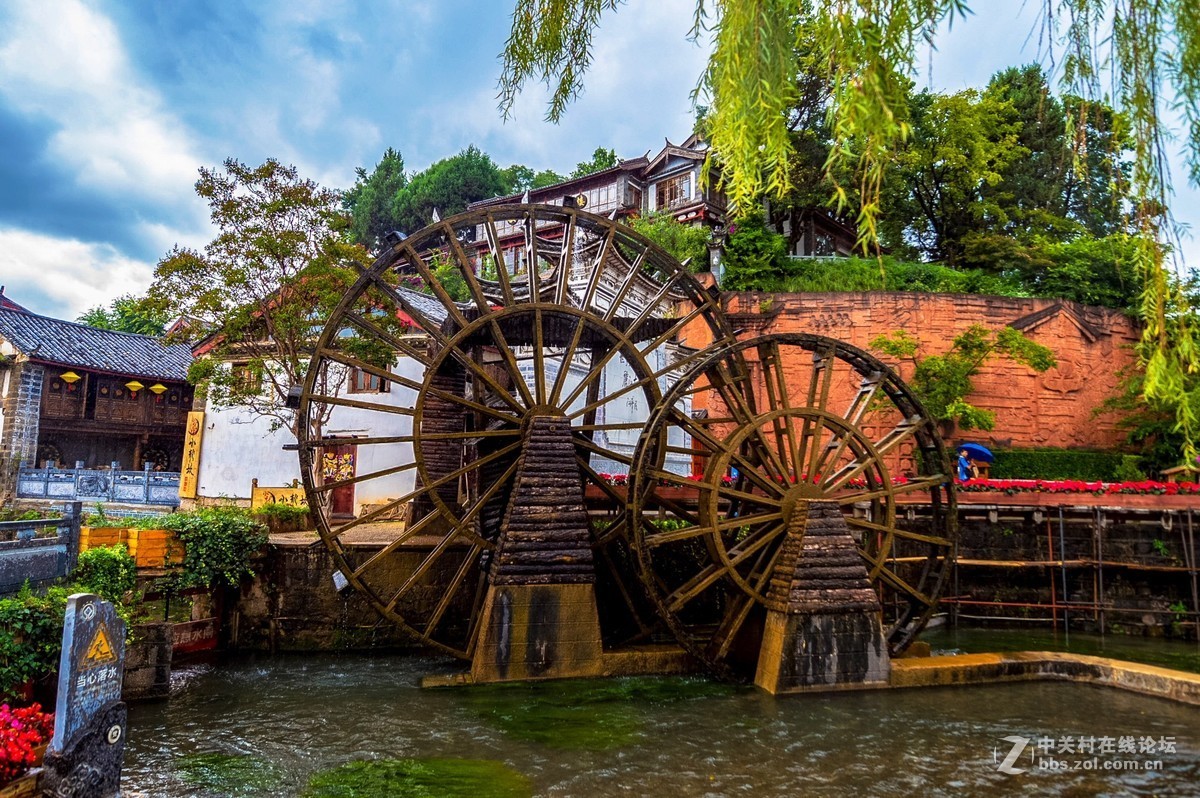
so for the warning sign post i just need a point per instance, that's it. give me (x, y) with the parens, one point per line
(89, 722)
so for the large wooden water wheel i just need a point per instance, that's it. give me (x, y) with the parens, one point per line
(772, 424)
(556, 314)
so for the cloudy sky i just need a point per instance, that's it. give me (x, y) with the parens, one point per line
(107, 109)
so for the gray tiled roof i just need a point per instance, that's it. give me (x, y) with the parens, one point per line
(428, 306)
(56, 341)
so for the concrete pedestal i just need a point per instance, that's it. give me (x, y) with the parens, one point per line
(823, 627)
(539, 618)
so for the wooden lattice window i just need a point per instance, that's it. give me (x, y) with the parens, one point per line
(673, 191)
(365, 382)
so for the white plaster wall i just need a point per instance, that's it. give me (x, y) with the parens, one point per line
(238, 447)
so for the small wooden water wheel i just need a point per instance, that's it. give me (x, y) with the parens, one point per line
(775, 424)
(560, 316)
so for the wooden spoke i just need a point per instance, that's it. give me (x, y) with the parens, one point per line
(408, 534)
(936, 540)
(635, 270)
(891, 578)
(735, 617)
(487, 410)
(506, 290)
(650, 379)
(862, 399)
(399, 344)
(429, 326)
(818, 397)
(386, 472)
(676, 535)
(564, 368)
(458, 532)
(928, 483)
(320, 443)
(539, 358)
(738, 521)
(468, 564)
(361, 404)
(583, 443)
(565, 261)
(783, 445)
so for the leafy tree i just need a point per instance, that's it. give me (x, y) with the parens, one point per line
(961, 144)
(1098, 191)
(278, 265)
(601, 159)
(129, 314)
(1092, 271)
(369, 201)
(687, 243)
(1147, 48)
(942, 382)
(447, 186)
(519, 178)
(1030, 188)
(753, 252)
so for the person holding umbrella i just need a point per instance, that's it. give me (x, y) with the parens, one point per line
(964, 466)
(968, 453)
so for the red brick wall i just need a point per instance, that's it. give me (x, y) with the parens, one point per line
(1052, 409)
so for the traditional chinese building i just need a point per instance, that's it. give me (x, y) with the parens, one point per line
(72, 394)
(670, 182)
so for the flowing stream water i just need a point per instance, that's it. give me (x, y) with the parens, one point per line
(275, 726)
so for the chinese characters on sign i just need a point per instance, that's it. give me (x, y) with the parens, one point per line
(291, 495)
(189, 469)
(91, 667)
(84, 757)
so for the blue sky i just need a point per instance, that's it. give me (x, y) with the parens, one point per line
(108, 108)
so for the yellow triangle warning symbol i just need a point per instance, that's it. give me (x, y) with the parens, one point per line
(100, 651)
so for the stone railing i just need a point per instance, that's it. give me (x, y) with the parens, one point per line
(38, 551)
(93, 485)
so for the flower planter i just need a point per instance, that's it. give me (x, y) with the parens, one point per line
(25, 786)
(1066, 499)
(596, 493)
(154, 548)
(91, 537)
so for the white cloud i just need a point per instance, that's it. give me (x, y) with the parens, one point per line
(63, 61)
(73, 275)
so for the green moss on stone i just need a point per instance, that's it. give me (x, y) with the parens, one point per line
(419, 778)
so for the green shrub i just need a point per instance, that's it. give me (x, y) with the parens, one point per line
(1047, 463)
(30, 637)
(100, 518)
(219, 543)
(108, 571)
(283, 512)
(13, 514)
(685, 242)
(754, 254)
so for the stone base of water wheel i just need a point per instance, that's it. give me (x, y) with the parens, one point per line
(539, 619)
(823, 627)
(538, 632)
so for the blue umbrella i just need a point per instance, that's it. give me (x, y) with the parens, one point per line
(977, 452)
